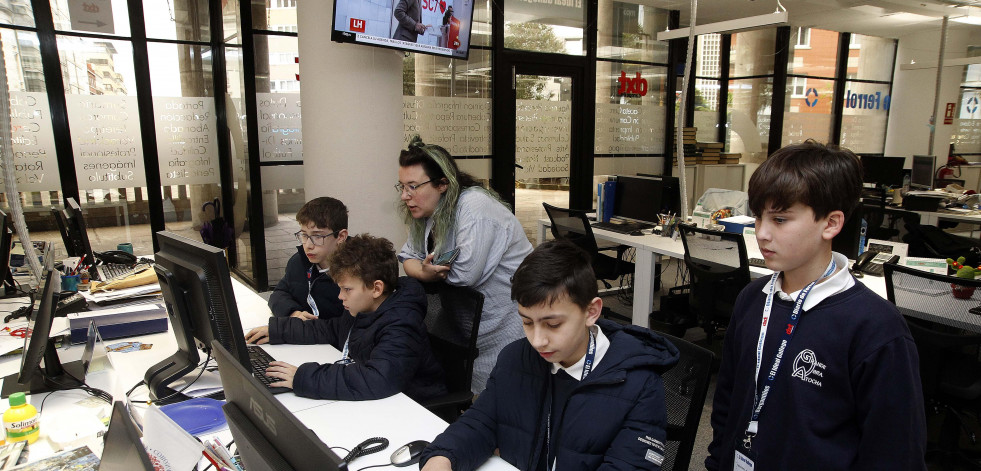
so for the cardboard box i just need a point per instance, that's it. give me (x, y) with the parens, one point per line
(115, 323)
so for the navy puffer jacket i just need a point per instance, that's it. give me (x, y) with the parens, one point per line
(390, 349)
(614, 419)
(290, 293)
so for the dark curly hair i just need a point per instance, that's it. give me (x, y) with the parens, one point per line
(368, 258)
(324, 212)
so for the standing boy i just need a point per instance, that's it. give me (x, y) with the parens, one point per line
(577, 393)
(818, 372)
(307, 290)
(384, 345)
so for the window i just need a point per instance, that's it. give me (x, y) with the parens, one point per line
(798, 87)
(803, 37)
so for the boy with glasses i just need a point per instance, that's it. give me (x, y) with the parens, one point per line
(307, 290)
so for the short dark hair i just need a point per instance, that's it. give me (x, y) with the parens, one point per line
(824, 177)
(324, 212)
(554, 268)
(368, 258)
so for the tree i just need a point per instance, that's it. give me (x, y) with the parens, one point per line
(536, 37)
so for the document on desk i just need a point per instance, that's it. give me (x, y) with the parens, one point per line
(208, 383)
(123, 293)
(752, 246)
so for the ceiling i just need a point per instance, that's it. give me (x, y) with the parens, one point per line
(886, 18)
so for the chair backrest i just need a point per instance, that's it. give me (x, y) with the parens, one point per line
(572, 225)
(718, 267)
(685, 388)
(452, 321)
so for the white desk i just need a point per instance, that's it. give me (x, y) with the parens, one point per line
(337, 423)
(933, 217)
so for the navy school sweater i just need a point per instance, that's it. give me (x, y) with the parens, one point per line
(847, 394)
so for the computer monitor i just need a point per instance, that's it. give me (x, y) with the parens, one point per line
(197, 291)
(921, 177)
(123, 450)
(884, 172)
(6, 245)
(74, 234)
(268, 436)
(643, 197)
(33, 378)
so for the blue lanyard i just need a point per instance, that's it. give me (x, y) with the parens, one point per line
(587, 367)
(759, 398)
(345, 354)
(310, 301)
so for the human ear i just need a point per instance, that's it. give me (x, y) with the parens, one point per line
(341, 235)
(835, 221)
(593, 311)
(377, 288)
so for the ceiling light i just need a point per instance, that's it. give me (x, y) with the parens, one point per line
(778, 18)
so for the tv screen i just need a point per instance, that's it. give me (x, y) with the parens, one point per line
(438, 27)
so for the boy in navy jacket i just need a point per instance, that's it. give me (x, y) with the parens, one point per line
(307, 290)
(836, 386)
(577, 393)
(384, 345)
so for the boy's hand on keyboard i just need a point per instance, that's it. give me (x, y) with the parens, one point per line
(282, 371)
(303, 315)
(258, 335)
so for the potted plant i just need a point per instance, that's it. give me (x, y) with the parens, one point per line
(963, 271)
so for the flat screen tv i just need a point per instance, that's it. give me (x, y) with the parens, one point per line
(438, 27)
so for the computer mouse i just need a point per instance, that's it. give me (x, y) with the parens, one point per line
(409, 453)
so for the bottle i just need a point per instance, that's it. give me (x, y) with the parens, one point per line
(21, 420)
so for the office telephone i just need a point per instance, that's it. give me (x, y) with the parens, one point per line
(116, 257)
(870, 262)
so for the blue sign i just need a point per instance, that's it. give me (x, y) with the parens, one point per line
(867, 101)
(807, 97)
(972, 105)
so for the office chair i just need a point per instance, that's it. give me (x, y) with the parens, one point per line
(685, 388)
(951, 377)
(572, 225)
(926, 240)
(719, 269)
(452, 321)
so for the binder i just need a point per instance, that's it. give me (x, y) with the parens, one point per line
(609, 196)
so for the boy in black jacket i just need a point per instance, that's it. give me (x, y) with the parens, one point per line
(818, 372)
(384, 346)
(307, 290)
(577, 393)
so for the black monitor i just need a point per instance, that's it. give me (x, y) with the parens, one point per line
(921, 177)
(643, 197)
(74, 234)
(122, 449)
(849, 240)
(884, 172)
(197, 290)
(6, 245)
(269, 436)
(53, 376)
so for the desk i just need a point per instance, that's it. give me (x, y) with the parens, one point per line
(338, 423)
(933, 217)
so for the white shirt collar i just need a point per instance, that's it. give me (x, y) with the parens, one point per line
(602, 345)
(840, 281)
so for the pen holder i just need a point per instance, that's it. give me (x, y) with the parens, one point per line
(69, 282)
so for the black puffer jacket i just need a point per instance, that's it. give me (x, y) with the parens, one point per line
(290, 293)
(390, 349)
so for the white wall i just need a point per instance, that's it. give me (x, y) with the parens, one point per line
(352, 121)
(908, 131)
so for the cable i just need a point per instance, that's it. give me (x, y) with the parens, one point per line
(375, 466)
(203, 365)
(367, 447)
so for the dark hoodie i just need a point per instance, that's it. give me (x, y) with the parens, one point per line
(389, 346)
(614, 419)
(290, 293)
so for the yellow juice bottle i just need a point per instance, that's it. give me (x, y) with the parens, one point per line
(21, 420)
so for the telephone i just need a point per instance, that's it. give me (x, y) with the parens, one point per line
(870, 262)
(116, 257)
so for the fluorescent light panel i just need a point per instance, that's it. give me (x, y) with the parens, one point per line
(729, 26)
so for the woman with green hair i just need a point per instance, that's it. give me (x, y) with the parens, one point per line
(446, 210)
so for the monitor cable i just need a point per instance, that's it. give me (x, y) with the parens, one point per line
(203, 365)
(22, 311)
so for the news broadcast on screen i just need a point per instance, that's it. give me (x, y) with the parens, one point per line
(439, 27)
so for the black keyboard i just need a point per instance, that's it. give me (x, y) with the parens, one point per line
(757, 262)
(260, 359)
(623, 227)
(112, 270)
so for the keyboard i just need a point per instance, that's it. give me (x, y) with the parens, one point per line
(757, 262)
(113, 270)
(624, 227)
(260, 359)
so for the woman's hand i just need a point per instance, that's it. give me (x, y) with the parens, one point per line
(424, 270)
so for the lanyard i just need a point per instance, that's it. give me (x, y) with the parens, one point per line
(759, 398)
(310, 301)
(345, 354)
(587, 367)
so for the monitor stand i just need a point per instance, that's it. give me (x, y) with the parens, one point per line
(42, 382)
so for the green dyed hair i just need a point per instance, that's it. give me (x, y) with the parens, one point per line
(441, 169)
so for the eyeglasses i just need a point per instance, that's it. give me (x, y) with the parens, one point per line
(318, 239)
(410, 189)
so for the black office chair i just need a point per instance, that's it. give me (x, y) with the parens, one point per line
(949, 367)
(572, 225)
(719, 269)
(685, 388)
(452, 321)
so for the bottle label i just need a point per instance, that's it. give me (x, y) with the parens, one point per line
(21, 428)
